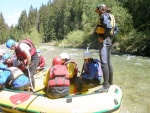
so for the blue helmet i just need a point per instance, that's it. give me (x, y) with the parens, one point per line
(6, 56)
(38, 51)
(3, 66)
(9, 43)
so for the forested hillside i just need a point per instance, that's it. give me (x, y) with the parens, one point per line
(71, 23)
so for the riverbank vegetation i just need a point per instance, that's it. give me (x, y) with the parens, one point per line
(70, 23)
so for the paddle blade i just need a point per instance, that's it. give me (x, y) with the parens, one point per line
(20, 98)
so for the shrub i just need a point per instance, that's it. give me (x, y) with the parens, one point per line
(73, 39)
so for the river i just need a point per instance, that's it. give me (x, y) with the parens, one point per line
(131, 73)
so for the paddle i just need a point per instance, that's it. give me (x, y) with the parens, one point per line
(30, 79)
(22, 97)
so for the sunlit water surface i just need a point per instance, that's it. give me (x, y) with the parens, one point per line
(131, 73)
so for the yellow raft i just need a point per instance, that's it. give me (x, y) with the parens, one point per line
(89, 102)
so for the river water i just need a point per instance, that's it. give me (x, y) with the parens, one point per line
(131, 73)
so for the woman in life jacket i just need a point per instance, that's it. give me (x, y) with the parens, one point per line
(91, 73)
(13, 78)
(57, 81)
(25, 52)
(106, 29)
(41, 65)
(71, 66)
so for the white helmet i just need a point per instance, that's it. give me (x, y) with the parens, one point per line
(87, 55)
(64, 55)
(2, 52)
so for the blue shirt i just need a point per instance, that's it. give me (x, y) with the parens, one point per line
(93, 70)
(4, 74)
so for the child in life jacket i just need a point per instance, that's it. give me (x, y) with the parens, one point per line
(57, 81)
(13, 78)
(41, 64)
(71, 66)
(91, 73)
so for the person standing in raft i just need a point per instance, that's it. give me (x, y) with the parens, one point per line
(91, 73)
(57, 81)
(105, 29)
(25, 52)
(13, 78)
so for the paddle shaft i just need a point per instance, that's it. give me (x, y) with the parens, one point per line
(30, 78)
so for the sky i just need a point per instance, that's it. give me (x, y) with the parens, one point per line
(11, 9)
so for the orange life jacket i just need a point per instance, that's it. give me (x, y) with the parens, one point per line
(59, 76)
(20, 55)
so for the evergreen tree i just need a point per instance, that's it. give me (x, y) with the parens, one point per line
(23, 24)
(4, 30)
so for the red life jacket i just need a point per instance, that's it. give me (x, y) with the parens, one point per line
(76, 67)
(59, 76)
(42, 61)
(20, 55)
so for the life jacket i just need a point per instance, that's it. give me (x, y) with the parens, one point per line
(99, 69)
(20, 55)
(59, 76)
(75, 69)
(100, 28)
(15, 73)
(42, 61)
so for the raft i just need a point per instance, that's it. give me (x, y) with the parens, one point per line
(14, 101)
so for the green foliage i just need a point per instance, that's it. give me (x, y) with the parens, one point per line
(4, 31)
(34, 36)
(136, 43)
(73, 39)
(23, 24)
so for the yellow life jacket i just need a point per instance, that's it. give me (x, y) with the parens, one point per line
(100, 28)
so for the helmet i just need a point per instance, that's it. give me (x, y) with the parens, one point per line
(57, 61)
(87, 55)
(2, 52)
(9, 43)
(38, 51)
(64, 55)
(3, 65)
(6, 56)
(101, 6)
